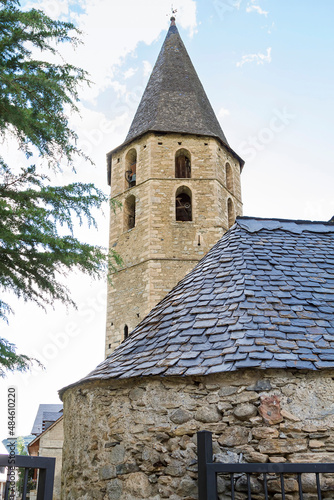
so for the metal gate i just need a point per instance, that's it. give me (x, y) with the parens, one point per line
(46, 467)
(208, 470)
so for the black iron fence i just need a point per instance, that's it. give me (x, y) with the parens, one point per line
(243, 476)
(45, 466)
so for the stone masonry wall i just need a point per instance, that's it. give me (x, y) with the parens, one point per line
(136, 439)
(51, 444)
(159, 241)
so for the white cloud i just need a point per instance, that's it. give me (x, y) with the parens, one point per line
(147, 68)
(253, 7)
(107, 43)
(257, 58)
(223, 112)
(129, 73)
(271, 28)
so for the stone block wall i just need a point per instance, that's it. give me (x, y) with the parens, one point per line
(51, 444)
(158, 240)
(136, 439)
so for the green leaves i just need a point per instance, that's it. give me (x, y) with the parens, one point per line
(33, 250)
(38, 219)
(34, 93)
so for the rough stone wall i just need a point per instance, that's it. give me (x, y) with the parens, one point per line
(136, 439)
(51, 444)
(158, 241)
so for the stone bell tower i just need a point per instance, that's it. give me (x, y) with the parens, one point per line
(179, 184)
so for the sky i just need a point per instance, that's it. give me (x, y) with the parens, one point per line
(267, 68)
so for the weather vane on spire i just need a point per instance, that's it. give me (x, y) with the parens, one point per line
(174, 11)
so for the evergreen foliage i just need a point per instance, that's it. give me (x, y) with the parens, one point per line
(37, 242)
(21, 450)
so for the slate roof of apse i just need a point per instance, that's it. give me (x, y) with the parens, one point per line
(51, 411)
(263, 297)
(174, 99)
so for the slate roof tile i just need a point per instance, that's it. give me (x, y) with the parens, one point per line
(244, 313)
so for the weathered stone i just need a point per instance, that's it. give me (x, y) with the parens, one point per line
(322, 435)
(256, 420)
(290, 485)
(245, 411)
(107, 472)
(289, 416)
(116, 454)
(150, 455)
(111, 444)
(313, 428)
(255, 457)
(278, 496)
(180, 416)
(277, 460)
(138, 485)
(270, 409)
(314, 443)
(222, 484)
(187, 488)
(207, 414)
(265, 432)
(187, 429)
(212, 387)
(224, 406)
(309, 483)
(242, 484)
(328, 484)
(137, 393)
(175, 468)
(95, 493)
(226, 457)
(114, 489)
(277, 446)
(227, 391)
(234, 436)
(289, 389)
(246, 397)
(216, 427)
(126, 468)
(261, 385)
(312, 457)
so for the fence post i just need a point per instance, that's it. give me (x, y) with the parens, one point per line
(207, 481)
(46, 479)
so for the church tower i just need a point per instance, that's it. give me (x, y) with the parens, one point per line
(179, 184)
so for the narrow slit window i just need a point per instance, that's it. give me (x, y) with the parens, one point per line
(182, 164)
(130, 213)
(229, 178)
(126, 332)
(230, 213)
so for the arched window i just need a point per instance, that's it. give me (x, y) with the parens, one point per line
(230, 213)
(130, 213)
(229, 178)
(183, 204)
(126, 332)
(130, 167)
(182, 164)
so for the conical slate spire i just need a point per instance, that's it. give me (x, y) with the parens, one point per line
(174, 99)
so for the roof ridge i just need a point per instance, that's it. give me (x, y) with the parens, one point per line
(254, 224)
